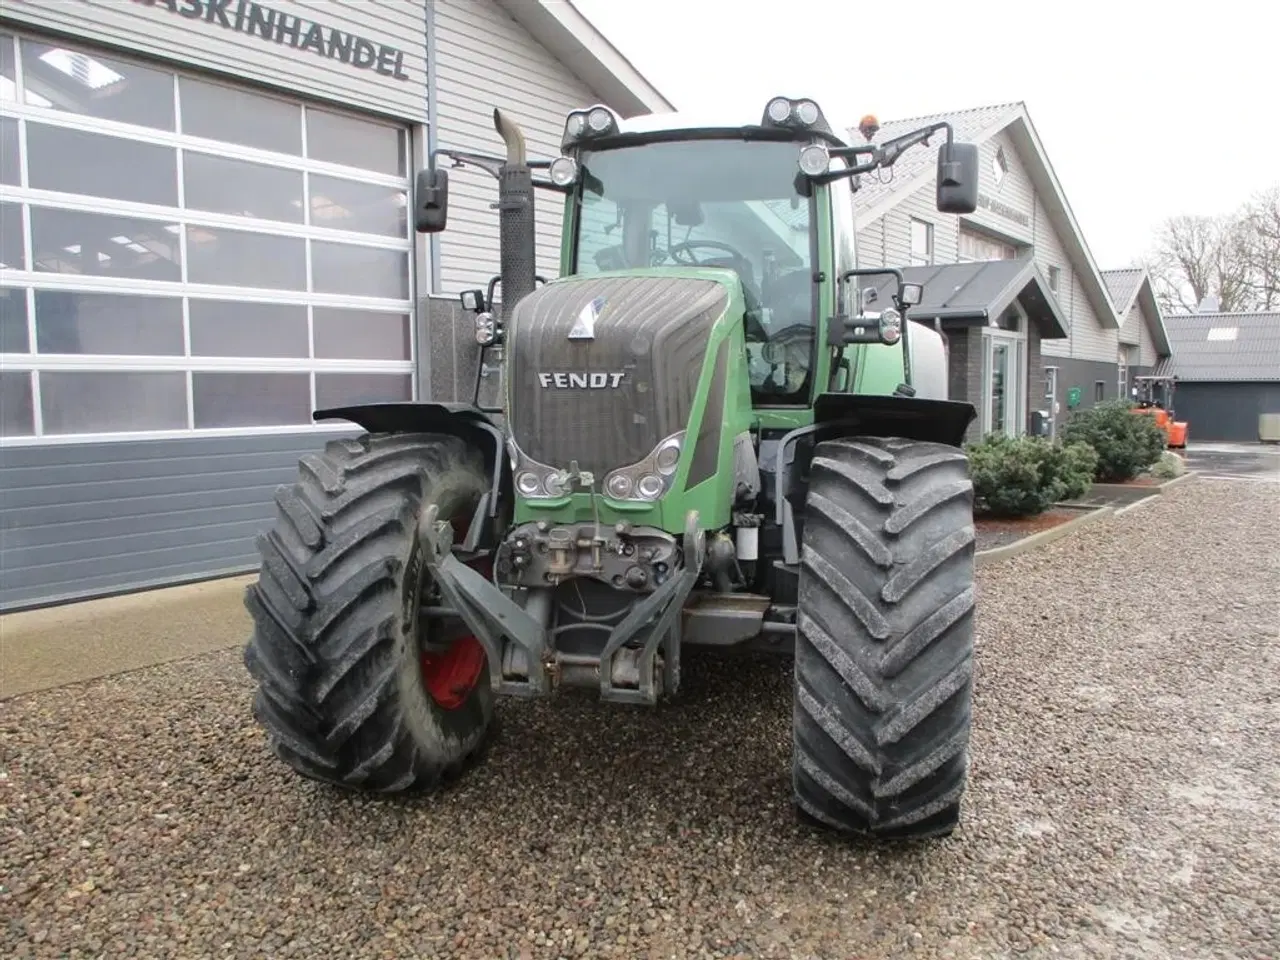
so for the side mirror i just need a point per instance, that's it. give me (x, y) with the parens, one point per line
(957, 178)
(910, 294)
(472, 300)
(431, 200)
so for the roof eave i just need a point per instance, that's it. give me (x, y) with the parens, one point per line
(1146, 297)
(1060, 213)
(573, 40)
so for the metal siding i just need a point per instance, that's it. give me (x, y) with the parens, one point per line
(79, 520)
(1131, 329)
(1147, 355)
(1015, 191)
(892, 232)
(484, 59)
(1224, 412)
(154, 30)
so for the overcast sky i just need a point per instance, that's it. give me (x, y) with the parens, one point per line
(1144, 112)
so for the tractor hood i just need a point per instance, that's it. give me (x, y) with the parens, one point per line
(607, 371)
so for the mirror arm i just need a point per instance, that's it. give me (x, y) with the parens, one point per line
(885, 154)
(490, 164)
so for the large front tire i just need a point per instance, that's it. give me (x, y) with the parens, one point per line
(884, 648)
(345, 692)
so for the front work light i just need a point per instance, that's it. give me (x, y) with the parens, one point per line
(815, 160)
(563, 171)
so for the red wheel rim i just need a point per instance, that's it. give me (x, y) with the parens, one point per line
(451, 676)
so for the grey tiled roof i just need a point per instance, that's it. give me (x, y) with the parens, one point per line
(978, 290)
(968, 125)
(1224, 346)
(1123, 286)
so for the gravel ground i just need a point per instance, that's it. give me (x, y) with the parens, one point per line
(1125, 800)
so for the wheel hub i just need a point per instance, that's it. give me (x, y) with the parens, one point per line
(450, 676)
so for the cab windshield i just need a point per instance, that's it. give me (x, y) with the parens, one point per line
(716, 203)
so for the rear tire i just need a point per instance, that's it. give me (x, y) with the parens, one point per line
(342, 686)
(884, 647)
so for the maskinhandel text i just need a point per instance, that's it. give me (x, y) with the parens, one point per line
(256, 19)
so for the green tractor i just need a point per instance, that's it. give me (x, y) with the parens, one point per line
(712, 428)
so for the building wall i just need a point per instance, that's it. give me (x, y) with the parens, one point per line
(273, 43)
(1224, 412)
(483, 60)
(1085, 374)
(1010, 211)
(1136, 332)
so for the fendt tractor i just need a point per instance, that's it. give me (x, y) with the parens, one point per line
(712, 428)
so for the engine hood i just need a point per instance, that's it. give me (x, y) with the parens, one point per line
(603, 367)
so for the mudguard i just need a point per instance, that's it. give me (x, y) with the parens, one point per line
(876, 415)
(463, 420)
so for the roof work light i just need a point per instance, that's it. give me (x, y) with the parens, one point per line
(597, 121)
(801, 114)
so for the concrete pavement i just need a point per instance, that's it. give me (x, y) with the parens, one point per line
(54, 646)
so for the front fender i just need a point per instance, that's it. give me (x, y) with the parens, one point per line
(463, 420)
(876, 415)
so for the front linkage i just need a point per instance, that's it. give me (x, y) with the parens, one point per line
(522, 660)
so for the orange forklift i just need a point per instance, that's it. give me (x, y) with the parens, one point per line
(1154, 397)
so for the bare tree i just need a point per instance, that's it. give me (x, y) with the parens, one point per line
(1233, 257)
(1262, 215)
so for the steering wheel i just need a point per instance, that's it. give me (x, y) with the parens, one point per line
(691, 261)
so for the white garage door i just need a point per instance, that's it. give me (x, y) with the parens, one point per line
(180, 257)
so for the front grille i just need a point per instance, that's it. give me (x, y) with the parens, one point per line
(652, 329)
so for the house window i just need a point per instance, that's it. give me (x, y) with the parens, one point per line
(1099, 391)
(999, 166)
(1122, 380)
(976, 246)
(1055, 277)
(921, 243)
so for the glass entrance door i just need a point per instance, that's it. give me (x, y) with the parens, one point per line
(1003, 400)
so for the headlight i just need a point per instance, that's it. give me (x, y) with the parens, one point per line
(486, 329)
(528, 483)
(779, 109)
(555, 485)
(667, 457)
(814, 160)
(563, 171)
(619, 486)
(649, 487)
(890, 326)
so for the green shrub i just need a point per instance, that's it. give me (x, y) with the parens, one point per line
(1126, 443)
(1023, 476)
(1081, 466)
(1169, 466)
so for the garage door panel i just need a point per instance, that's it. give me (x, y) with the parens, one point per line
(191, 266)
(58, 523)
(194, 558)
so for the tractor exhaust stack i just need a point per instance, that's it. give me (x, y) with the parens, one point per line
(516, 226)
